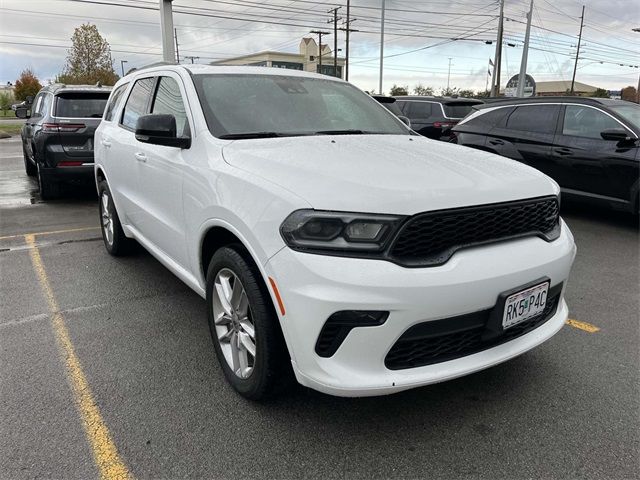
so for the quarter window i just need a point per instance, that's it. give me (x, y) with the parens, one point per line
(115, 99)
(37, 112)
(534, 118)
(137, 102)
(169, 100)
(581, 121)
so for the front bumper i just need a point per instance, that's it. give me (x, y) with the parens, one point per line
(313, 287)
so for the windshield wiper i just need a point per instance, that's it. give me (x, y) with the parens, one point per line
(341, 132)
(240, 136)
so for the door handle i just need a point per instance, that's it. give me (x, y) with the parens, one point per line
(141, 157)
(105, 143)
(496, 142)
(562, 151)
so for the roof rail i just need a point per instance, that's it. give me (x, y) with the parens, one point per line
(151, 65)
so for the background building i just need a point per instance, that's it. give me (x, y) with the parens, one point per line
(307, 60)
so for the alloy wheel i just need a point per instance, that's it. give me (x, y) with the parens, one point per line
(235, 330)
(107, 218)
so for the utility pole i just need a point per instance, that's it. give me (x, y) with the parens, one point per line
(381, 47)
(347, 29)
(495, 80)
(525, 55)
(335, 39)
(166, 26)
(320, 34)
(575, 66)
(191, 57)
(175, 32)
(122, 62)
(449, 75)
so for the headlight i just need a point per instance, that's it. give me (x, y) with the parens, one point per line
(315, 230)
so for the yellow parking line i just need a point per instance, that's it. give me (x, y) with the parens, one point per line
(35, 234)
(587, 327)
(104, 450)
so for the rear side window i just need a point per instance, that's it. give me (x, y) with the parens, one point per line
(137, 102)
(81, 104)
(457, 110)
(534, 118)
(169, 100)
(586, 122)
(419, 110)
(115, 99)
(490, 118)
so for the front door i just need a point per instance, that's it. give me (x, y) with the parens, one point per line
(590, 164)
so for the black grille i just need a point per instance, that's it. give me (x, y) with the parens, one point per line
(431, 238)
(442, 340)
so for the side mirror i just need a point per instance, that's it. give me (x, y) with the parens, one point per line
(160, 129)
(618, 135)
(22, 112)
(405, 120)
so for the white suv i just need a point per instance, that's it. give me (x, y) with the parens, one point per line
(327, 238)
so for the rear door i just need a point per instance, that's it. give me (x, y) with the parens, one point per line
(588, 163)
(31, 124)
(527, 136)
(77, 115)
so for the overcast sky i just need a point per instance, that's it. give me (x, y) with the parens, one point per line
(36, 34)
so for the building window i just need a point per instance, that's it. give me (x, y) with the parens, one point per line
(289, 65)
(329, 70)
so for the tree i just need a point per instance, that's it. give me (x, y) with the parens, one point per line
(89, 59)
(6, 99)
(449, 92)
(26, 85)
(422, 90)
(600, 93)
(630, 94)
(399, 90)
(467, 93)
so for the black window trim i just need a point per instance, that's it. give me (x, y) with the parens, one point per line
(154, 77)
(115, 89)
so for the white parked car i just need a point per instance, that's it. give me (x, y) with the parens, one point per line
(327, 238)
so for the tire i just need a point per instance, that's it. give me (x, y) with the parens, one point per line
(49, 189)
(115, 241)
(270, 366)
(29, 167)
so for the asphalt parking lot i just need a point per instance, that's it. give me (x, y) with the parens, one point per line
(132, 340)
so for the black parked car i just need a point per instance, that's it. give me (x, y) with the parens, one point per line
(434, 117)
(57, 138)
(391, 104)
(588, 145)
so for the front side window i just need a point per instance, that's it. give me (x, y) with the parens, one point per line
(274, 105)
(586, 122)
(534, 118)
(169, 100)
(113, 103)
(630, 112)
(81, 104)
(137, 102)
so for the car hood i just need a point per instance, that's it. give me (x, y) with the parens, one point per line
(395, 174)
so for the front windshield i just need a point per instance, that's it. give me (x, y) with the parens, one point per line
(237, 105)
(630, 112)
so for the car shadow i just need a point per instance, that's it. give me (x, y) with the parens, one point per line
(574, 209)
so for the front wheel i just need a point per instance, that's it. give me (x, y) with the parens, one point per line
(244, 327)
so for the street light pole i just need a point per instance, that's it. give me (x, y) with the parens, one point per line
(575, 66)
(525, 55)
(122, 62)
(495, 80)
(381, 48)
(449, 75)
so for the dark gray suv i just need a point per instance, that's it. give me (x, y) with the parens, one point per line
(57, 138)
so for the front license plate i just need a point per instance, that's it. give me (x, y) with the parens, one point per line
(524, 305)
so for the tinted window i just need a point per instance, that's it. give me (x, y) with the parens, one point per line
(420, 110)
(488, 119)
(137, 102)
(393, 108)
(115, 99)
(37, 109)
(169, 100)
(236, 104)
(81, 105)
(457, 110)
(581, 121)
(45, 107)
(630, 112)
(534, 118)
